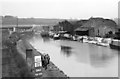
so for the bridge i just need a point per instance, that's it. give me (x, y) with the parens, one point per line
(21, 27)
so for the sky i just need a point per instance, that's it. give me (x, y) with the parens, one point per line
(66, 9)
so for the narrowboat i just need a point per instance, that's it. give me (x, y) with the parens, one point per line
(115, 44)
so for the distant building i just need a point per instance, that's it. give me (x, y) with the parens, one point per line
(56, 28)
(81, 31)
(91, 27)
(78, 23)
(64, 26)
(100, 26)
(46, 28)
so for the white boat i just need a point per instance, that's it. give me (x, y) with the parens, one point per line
(67, 36)
(93, 42)
(51, 34)
(74, 38)
(90, 40)
(102, 44)
(56, 36)
(85, 41)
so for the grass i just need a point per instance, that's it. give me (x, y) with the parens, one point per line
(13, 64)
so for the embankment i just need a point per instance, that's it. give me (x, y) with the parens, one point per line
(13, 64)
(52, 70)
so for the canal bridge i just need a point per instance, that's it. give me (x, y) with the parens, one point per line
(21, 27)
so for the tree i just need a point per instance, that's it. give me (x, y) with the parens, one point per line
(66, 26)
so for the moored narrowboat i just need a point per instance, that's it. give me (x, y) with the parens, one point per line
(115, 44)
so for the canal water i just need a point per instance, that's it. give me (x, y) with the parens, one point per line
(78, 59)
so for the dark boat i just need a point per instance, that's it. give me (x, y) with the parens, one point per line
(115, 44)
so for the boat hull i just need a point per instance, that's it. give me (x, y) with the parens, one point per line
(56, 38)
(114, 47)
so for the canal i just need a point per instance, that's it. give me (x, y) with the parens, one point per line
(79, 59)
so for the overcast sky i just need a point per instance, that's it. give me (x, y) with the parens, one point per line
(68, 9)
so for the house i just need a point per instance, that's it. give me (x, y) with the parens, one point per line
(100, 26)
(56, 28)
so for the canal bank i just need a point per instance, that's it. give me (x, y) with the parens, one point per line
(52, 70)
(13, 63)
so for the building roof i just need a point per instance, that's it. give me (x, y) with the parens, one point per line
(81, 29)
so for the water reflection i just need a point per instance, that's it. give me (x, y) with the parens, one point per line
(46, 39)
(100, 56)
(66, 50)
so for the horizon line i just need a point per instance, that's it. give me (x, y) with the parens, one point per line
(62, 18)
